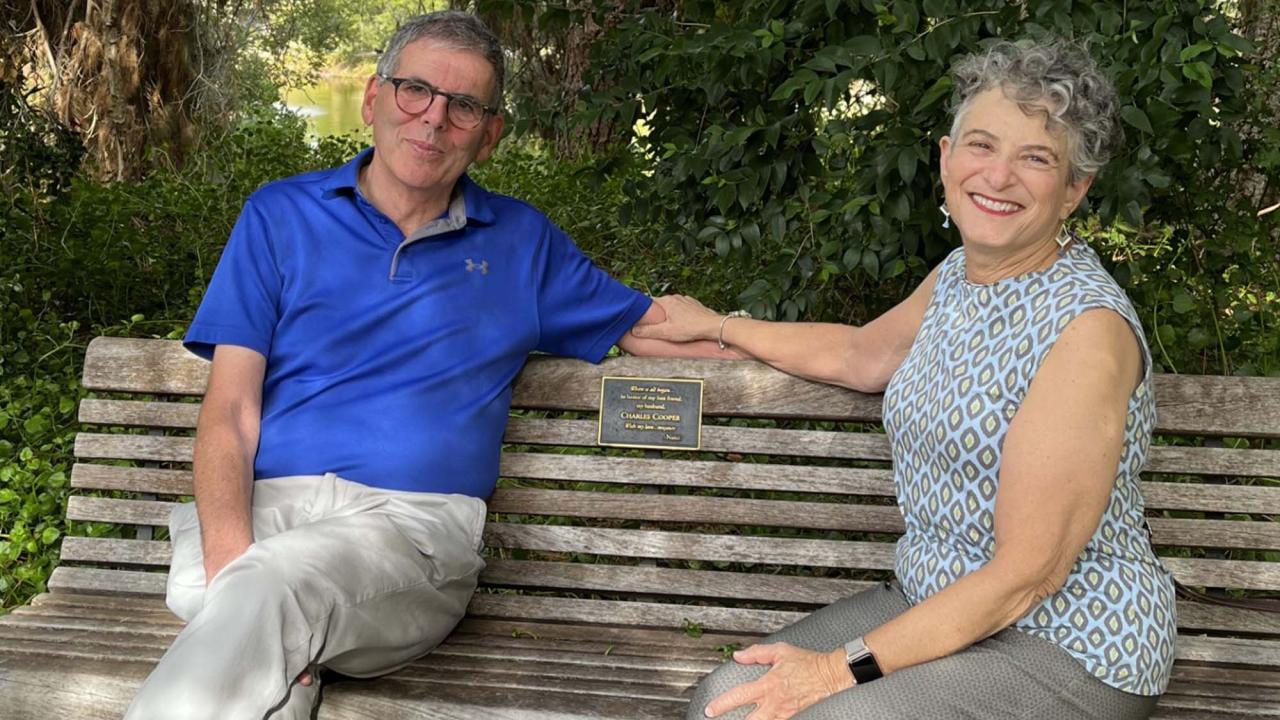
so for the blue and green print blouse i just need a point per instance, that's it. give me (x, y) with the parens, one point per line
(947, 409)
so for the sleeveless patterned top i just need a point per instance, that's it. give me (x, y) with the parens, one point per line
(946, 411)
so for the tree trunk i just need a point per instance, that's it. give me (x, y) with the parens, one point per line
(121, 74)
(551, 65)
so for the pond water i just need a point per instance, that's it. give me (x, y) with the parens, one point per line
(331, 107)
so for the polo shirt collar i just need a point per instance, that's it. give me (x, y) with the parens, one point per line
(474, 199)
(344, 176)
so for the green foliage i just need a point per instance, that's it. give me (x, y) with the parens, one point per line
(797, 139)
(108, 251)
(368, 24)
(35, 151)
(39, 388)
(585, 206)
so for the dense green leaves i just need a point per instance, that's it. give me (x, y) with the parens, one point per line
(818, 122)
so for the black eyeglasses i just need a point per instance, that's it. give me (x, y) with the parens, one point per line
(413, 97)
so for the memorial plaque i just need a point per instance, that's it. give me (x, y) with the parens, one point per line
(653, 413)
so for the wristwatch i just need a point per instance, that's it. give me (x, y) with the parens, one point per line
(862, 663)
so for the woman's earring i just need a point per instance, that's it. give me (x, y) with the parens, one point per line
(1063, 240)
(946, 220)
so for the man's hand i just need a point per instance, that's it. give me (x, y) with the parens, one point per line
(798, 679)
(216, 559)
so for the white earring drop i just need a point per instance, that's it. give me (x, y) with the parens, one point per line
(1063, 240)
(946, 219)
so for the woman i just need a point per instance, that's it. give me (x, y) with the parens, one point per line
(1018, 404)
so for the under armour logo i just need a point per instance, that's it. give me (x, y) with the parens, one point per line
(483, 267)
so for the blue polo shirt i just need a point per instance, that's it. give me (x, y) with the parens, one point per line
(390, 359)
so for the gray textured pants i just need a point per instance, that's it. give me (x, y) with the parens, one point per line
(354, 578)
(1009, 675)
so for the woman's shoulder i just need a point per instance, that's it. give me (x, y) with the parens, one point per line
(949, 270)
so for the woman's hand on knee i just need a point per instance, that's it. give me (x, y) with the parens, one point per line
(799, 678)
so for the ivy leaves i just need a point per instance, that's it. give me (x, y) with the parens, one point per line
(795, 139)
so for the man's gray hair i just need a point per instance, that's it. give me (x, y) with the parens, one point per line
(1057, 79)
(452, 29)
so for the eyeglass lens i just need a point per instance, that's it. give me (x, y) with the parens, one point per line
(415, 97)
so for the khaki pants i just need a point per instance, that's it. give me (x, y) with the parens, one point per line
(354, 578)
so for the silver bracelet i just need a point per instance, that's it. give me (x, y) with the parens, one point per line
(725, 319)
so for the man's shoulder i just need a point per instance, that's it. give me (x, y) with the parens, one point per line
(504, 208)
(308, 184)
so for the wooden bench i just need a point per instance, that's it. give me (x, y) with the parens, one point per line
(616, 579)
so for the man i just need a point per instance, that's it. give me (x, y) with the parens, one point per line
(365, 324)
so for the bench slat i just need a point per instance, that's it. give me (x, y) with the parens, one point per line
(826, 553)
(117, 551)
(1200, 405)
(1242, 651)
(114, 582)
(831, 480)
(1262, 535)
(1220, 618)
(697, 473)
(630, 613)
(143, 366)
(535, 574)
(840, 445)
(1226, 677)
(1216, 708)
(98, 683)
(1217, 573)
(718, 439)
(127, 512)
(695, 509)
(89, 476)
(1213, 405)
(760, 622)
(715, 438)
(1261, 500)
(1203, 497)
(692, 546)
(157, 448)
(1257, 499)
(139, 413)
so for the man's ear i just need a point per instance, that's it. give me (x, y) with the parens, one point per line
(370, 94)
(492, 134)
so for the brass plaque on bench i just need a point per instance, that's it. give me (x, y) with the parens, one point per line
(653, 413)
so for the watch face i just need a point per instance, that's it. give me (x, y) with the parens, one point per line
(865, 668)
(862, 664)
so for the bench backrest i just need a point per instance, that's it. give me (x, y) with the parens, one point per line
(789, 504)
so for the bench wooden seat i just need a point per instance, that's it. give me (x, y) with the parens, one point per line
(616, 579)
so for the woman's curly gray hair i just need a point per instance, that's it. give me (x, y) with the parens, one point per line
(1057, 79)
